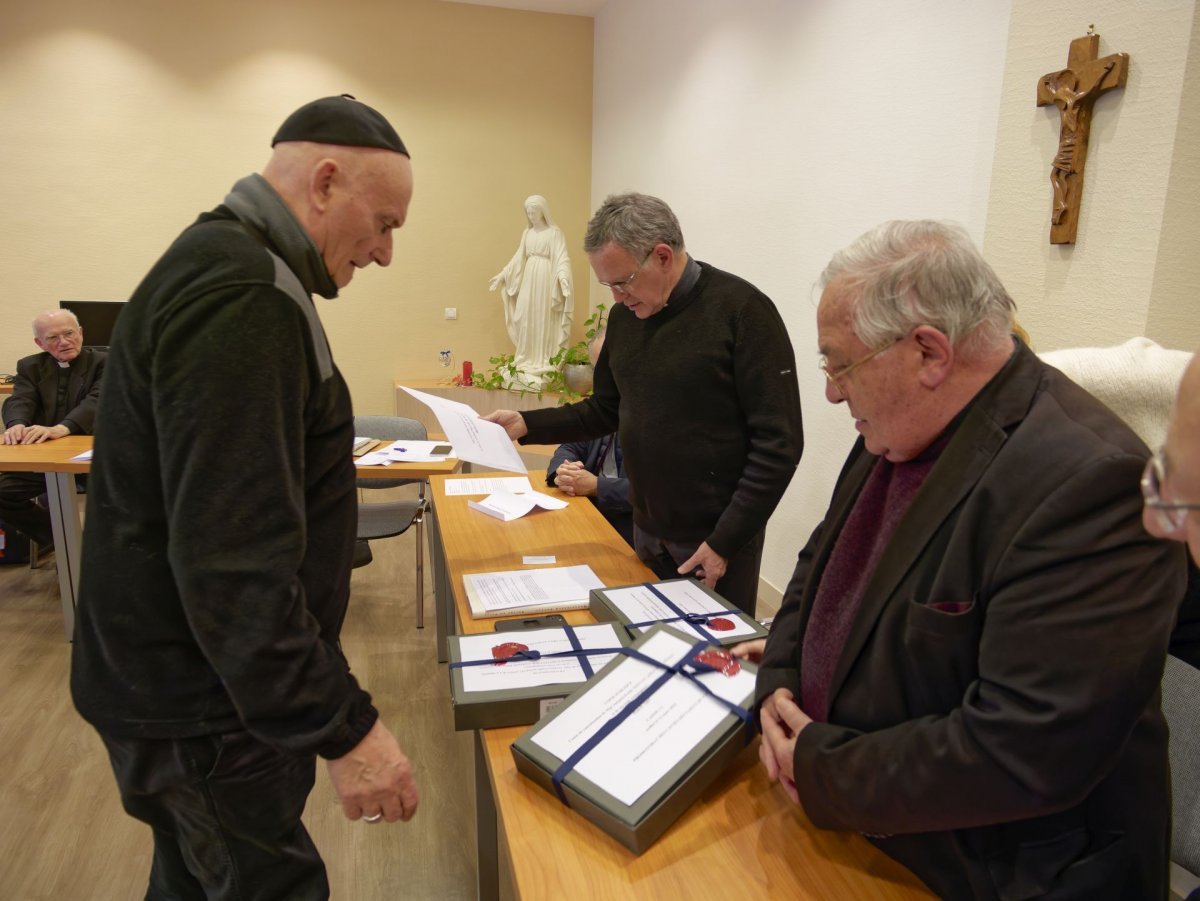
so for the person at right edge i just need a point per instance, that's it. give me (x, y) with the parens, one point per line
(967, 661)
(698, 378)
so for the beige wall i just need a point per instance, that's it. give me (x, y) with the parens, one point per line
(122, 121)
(1134, 269)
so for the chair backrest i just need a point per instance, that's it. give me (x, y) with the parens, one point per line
(388, 428)
(1181, 706)
(1137, 380)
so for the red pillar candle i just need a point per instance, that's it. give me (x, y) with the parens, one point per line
(468, 370)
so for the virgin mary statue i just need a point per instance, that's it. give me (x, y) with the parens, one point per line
(535, 288)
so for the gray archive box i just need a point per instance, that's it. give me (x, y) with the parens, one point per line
(512, 706)
(639, 825)
(605, 610)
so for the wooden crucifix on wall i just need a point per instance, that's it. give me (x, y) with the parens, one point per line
(1074, 90)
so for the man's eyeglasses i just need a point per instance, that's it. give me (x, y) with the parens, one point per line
(64, 335)
(833, 375)
(1169, 515)
(622, 287)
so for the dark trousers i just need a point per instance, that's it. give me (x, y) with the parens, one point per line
(225, 812)
(739, 585)
(17, 509)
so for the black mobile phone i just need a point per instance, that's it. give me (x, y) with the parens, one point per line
(547, 621)
(441, 449)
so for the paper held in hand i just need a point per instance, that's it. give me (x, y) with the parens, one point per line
(475, 440)
(530, 590)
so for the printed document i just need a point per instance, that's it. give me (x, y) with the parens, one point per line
(475, 440)
(641, 605)
(528, 590)
(655, 737)
(519, 673)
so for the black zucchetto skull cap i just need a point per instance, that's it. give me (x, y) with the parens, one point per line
(340, 120)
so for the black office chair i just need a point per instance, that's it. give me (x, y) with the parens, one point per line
(389, 518)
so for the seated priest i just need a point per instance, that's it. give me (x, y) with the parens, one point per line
(54, 395)
(966, 664)
(596, 469)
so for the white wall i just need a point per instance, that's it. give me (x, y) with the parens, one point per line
(1134, 268)
(779, 130)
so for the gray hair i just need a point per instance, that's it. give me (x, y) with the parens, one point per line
(636, 222)
(910, 273)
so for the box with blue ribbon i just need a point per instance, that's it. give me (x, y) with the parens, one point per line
(684, 603)
(514, 678)
(638, 744)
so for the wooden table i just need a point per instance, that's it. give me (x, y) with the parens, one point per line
(54, 458)
(743, 838)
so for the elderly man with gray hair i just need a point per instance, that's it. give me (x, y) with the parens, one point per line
(699, 374)
(966, 664)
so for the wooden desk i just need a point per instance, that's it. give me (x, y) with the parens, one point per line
(6, 387)
(54, 459)
(742, 839)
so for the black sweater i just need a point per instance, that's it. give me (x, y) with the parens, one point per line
(705, 396)
(221, 509)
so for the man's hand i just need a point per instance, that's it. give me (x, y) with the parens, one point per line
(513, 422)
(705, 563)
(375, 778)
(750, 650)
(782, 720)
(573, 479)
(34, 434)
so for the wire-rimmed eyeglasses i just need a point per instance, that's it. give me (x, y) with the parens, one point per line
(833, 375)
(1170, 515)
(622, 287)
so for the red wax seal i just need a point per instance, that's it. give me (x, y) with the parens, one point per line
(720, 660)
(720, 624)
(509, 649)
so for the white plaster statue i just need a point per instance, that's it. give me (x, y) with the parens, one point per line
(535, 287)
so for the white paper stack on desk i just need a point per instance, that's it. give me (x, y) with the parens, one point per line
(543, 590)
(646, 771)
(506, 506)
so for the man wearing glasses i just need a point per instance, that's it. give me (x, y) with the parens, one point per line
(1171, 489)
(54, 395)
(966, 664)
(698, 373)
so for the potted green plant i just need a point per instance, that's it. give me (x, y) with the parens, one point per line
(576, 360)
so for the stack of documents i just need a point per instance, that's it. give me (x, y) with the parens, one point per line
(546, 590)
(406, 451)
(641, 775)
(685, 604)
(506, 506)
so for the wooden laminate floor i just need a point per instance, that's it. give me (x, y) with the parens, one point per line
(63, 834)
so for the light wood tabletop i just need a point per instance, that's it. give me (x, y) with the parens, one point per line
(743, 838)
(49, 456)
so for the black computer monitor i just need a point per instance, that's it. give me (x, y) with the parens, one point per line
(96, 317)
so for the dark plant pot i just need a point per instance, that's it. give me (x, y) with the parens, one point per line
(578, 377)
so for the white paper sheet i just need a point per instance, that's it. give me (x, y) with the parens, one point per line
(656, 736)
(528, 673)
(640, 605)
(85, 457)
(517, 589)
(487, 486)
(507, 507)
(475, 440)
